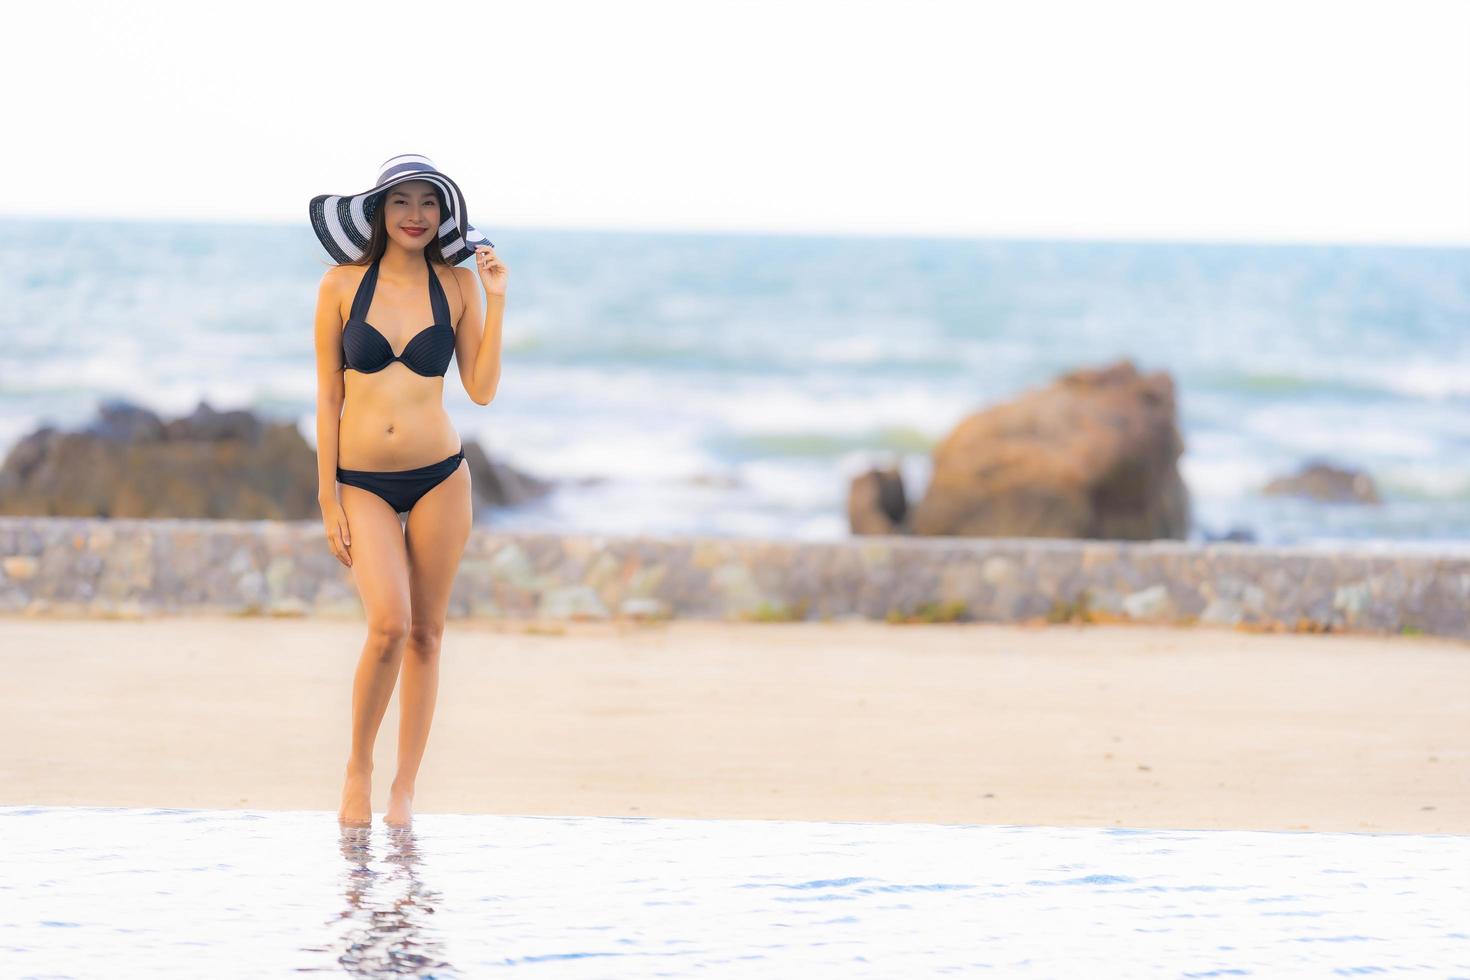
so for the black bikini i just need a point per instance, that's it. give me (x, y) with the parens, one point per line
(367, 351)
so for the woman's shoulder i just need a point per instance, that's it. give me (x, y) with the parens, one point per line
(461, 276)
(345, 272)
(341, 280)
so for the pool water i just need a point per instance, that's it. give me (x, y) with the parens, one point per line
(113, 892)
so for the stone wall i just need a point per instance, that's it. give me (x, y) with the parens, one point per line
(99, 567)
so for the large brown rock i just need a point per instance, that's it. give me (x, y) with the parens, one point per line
(131, 463)
(1092, 455)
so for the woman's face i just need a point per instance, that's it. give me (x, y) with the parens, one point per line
(408, 208)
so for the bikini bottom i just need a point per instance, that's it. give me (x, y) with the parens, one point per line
(402, 488)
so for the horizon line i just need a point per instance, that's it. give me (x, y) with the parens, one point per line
(776, 232)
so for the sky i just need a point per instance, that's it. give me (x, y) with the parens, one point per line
(1287, 120)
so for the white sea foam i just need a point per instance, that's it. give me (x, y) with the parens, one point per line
(1223, 477)
(1419, 378)
(1345, 432)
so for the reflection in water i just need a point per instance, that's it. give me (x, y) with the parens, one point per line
(112, 892)
(386, 910)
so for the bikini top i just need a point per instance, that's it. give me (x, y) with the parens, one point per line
(366, 350)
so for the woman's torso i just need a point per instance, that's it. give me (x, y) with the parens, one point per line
(393, 418)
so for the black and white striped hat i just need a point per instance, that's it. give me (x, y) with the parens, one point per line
(344, 222)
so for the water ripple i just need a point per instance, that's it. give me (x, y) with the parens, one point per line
(91, 891)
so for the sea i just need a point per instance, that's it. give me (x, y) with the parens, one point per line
(732, 384)
(125, 892)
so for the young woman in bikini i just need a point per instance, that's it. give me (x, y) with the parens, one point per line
(386, 446)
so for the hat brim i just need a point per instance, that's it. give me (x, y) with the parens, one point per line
(343, 222)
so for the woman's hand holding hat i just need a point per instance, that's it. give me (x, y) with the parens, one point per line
(493, 273)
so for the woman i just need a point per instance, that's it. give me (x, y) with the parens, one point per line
(385, 445)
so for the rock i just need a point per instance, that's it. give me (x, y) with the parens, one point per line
(734, 583)
(637, 608)
(20, 567)
(1352, 597)
(1000, 570)
(571, 602)
(498, 483)
(1320, 480)
(207, 425)
(1150, 603)
(1221, 612)
(1237, 532)
(875, 502)
(120, 421)
(1092, 455)
(513, 566)
(130, 463)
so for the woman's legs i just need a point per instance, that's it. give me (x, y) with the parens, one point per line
(438, 527)
(380, 568)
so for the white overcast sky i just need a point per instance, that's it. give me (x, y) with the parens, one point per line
(1239, 120)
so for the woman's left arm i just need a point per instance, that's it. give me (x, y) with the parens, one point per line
(478, 352)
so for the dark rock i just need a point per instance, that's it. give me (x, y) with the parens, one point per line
(1092, 455)
(876, 503)
(1320, 480)
(1235, 533)
(121, 421)
(207, 425)
(498, 483)
(234, 464)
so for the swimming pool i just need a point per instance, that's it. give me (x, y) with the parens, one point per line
(93, 892)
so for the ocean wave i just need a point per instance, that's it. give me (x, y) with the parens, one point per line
(811, 444)
(1415, 379)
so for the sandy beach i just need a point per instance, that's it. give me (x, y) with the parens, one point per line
(853, 721)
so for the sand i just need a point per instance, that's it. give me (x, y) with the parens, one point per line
(1057, 725)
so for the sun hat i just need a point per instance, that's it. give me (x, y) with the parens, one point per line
(344, 222)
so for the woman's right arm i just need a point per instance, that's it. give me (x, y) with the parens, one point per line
(330, 392)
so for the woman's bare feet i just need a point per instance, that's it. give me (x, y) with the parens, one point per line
(400, 806)
(357, 798)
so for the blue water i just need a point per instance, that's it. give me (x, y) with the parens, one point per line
(101, 892)
(731, 384)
